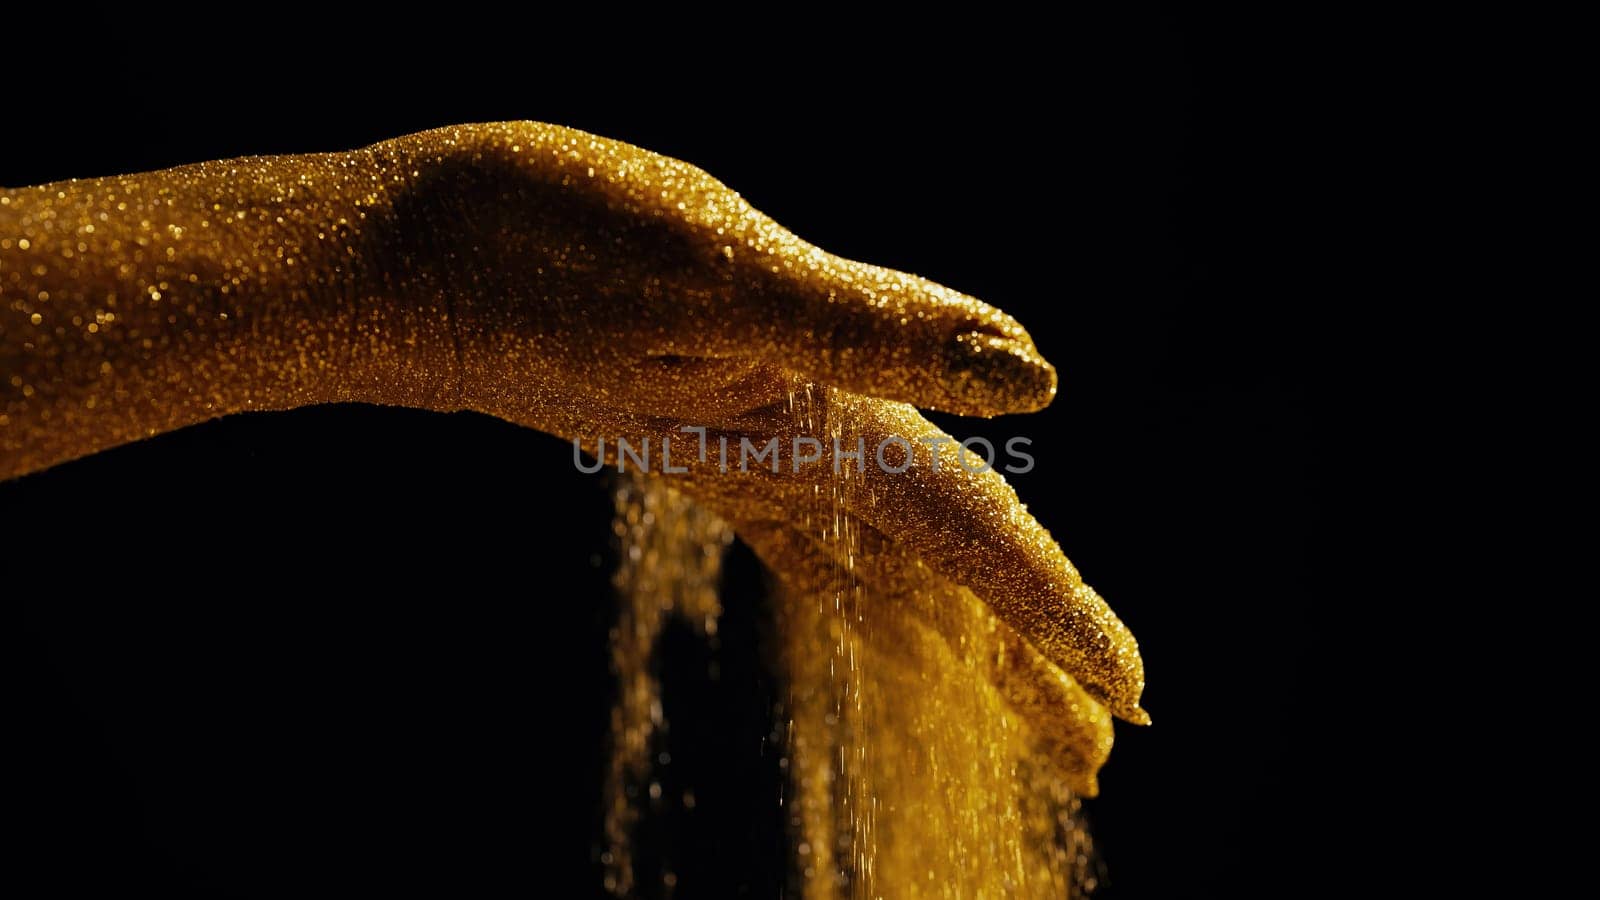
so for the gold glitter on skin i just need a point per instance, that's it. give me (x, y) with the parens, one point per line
(566, 282)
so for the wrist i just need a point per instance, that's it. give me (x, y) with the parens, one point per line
(429, 279)
(376, 289)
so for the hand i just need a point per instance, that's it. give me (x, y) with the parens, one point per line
(604, 292)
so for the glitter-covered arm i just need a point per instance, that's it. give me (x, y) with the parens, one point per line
(553, 278)
(134, 305)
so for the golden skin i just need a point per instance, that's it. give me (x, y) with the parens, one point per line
(562, 281)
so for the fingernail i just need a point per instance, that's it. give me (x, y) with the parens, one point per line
(989, 375)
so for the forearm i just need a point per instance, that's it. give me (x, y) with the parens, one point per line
(139, 304)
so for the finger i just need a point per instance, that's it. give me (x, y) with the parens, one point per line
(969, 527)
(875, 331)
(1074, 730)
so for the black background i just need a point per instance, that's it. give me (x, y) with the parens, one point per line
(365, 648)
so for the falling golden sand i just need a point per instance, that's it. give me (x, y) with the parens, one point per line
(671, 556)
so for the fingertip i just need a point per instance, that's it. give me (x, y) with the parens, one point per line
(987, 374)
(1135, 715)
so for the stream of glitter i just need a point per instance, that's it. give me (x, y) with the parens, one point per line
(671, 557)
